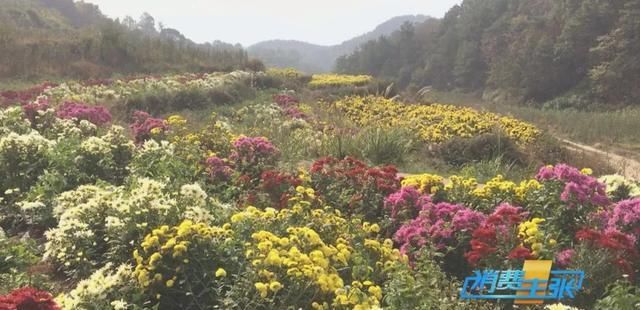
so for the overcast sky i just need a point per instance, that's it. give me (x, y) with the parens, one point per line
(250, 21)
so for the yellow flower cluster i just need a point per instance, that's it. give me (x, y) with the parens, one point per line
(531, 235)
(424, 183)
(176, 121)
(461, 185)
(164, 250)
(499, 188)
(315, 246)
(300, 254)
(334, 80)
(434, 123)
(363, 295)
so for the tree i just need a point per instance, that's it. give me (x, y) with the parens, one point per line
(147, 24)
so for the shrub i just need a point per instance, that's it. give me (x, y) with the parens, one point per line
(107, 288)
(23, 158)
(424, 286)
(460, 151)
(384, 146)
(620, 295)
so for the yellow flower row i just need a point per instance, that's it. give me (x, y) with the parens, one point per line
(499, 188)
(330, 80)
(434, 123)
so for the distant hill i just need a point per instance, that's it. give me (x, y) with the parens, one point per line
(68, 39)
(313, 58)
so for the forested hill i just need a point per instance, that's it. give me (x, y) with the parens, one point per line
(313, 58)
(63, 38)
(569, 52)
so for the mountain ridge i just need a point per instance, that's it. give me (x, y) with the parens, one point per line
(312, 58)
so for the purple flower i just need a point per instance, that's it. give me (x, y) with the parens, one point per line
(32, 109)
(143, 124)
(98, 115)
(624, 216)
(563, 258)
(406, 203)
(218, 170)
(578, 188)
(253, 154)
(442, 224)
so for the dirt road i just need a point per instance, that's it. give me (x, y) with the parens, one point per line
(627, 167)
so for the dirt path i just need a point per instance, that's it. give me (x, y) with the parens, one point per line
(627, 167)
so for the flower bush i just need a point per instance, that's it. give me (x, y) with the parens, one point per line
(494, 242)
(443, 226)
(107, 288)
(253, 155)
(23, 158)
(425, 183)
(620, 188)
(352, 186)
(170, 263)
(28, 298)
(97, 225)
(145, 127)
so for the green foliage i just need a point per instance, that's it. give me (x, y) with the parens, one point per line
(620, 295)
(426, 287)
(16, 257)
(385, 146)
(486, 170)
(161, 102)
(527, 50)
(88, 44)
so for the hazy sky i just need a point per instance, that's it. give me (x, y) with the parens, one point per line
(250, 21)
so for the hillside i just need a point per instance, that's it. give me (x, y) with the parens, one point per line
(67, 39)
(314, 58)
(569, 53)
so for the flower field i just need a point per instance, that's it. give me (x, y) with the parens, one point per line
(165, 213)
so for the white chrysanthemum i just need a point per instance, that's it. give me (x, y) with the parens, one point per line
(198, 215)
(25, 146)
(614, 181)
(12, 120)
(95, 146)
(99, 288)
(113, 222)
(87, 127)
(194, 193)
(559, 306)
(29, 206)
